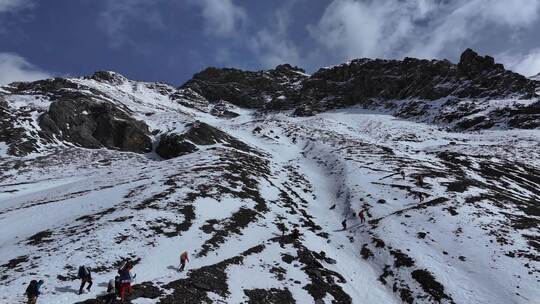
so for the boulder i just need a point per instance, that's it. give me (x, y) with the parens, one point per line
(94, 124)
(173, 145)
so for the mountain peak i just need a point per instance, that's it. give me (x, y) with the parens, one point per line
(472, 64)
(287, 67)
(109, 77)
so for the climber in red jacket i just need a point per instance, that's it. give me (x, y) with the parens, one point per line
(361, 216)
(183, 259)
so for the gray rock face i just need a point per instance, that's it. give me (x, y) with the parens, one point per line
(174, 145)
(268, 296)
(109, 77)
(428, 90)
(76, 115)
(274, 89)
(93, 124)
(18, 141)
(50, 87)
(364, 80)
(201, 133)
(527, 117)
(377, 84)
(472, 65)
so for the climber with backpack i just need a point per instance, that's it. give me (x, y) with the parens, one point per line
(420, 181)
(183, 259)
(32, 291)
(282, 227)
(86, 277)
(344, 224)
(402, 173)
(420, 196)
(295, 234)
(125, 278)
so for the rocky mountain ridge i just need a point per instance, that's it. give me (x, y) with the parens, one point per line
(415, 88)
(436, 91)
(468, 96)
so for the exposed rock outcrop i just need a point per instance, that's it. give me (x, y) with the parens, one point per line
(435, 91)
(92, 124)
(275, 89)
(364, 80)
(269, 296)
(12, 133)
(49, 87)
(108, 76)
(410, 88)
(173, 145)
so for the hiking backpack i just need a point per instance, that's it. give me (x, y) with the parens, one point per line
(84, 272)
(31, 290)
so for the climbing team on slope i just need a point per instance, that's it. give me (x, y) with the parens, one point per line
(361, 216)
(119, 287)
(419, 181)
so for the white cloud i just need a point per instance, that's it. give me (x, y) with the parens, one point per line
(222, 17)
(15, 68)
(525, 64)
(421, 28)
(12, 5)
(352, 28)
(466, 22)
(272, 45)
(510, 12)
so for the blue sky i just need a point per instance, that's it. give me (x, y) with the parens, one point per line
(168, 40)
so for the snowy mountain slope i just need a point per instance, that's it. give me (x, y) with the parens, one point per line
(443, 233)
(219, 180)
